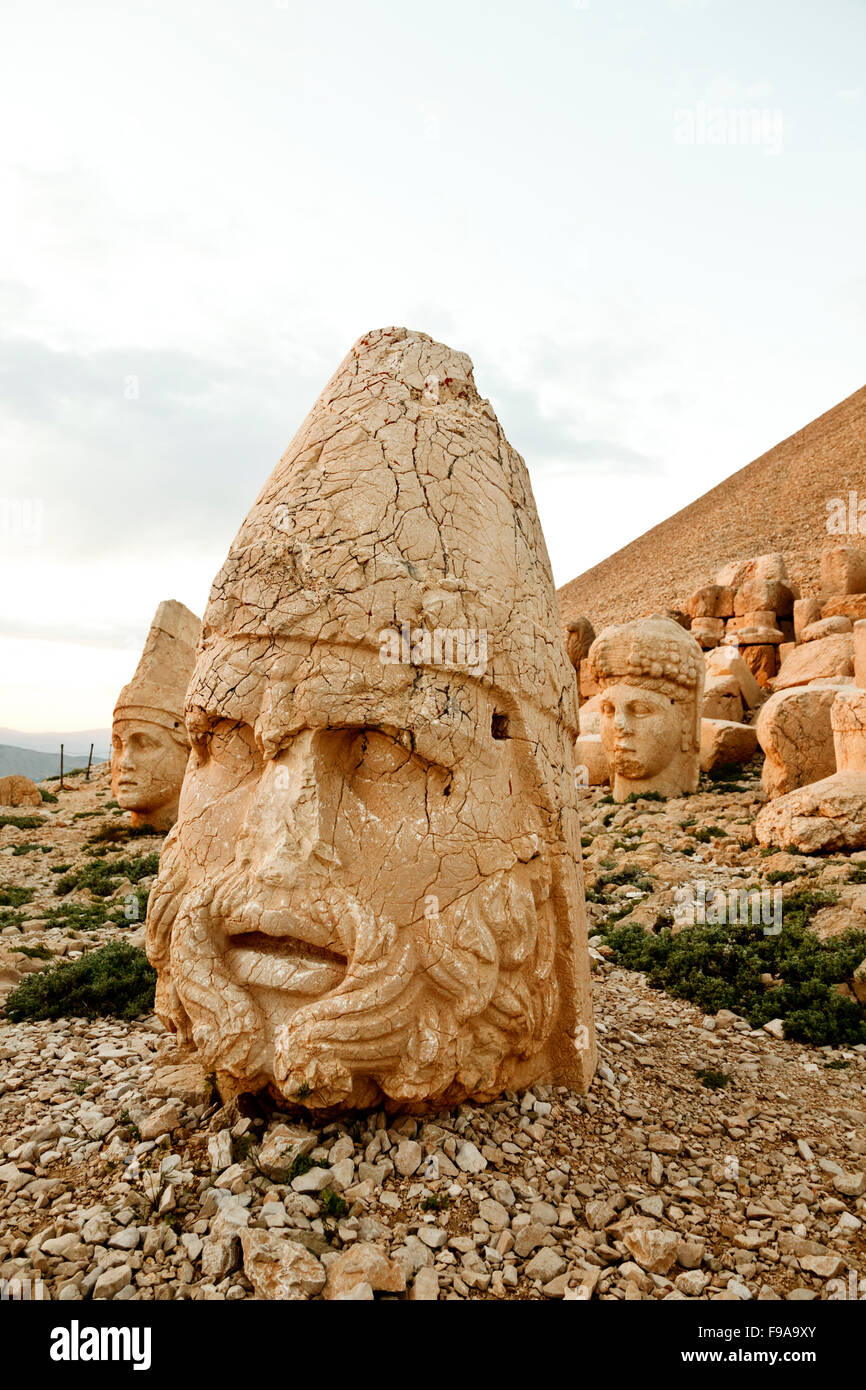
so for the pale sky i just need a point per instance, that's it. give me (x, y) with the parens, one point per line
(204, 205)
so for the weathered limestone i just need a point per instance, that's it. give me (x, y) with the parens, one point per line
(713, 601)
(843, 569)
(726, 661)
(796, 736)
(826, 627)
(587, 686)
(829, 814)
(723, 698)
(860, 654)
(806, 612)
(651, 674)
(848, 721)
(851, 606)
(580, 635)
(150, 747)
(760, 583)
(590, 715)
(591, 763)
(708, 631)
(16, 790)
(372, 895)
(724, 741)
(826, 815)
(825, 659)
(763, 662)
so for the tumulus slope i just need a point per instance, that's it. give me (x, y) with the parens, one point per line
(777, 502)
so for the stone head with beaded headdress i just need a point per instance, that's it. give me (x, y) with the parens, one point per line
(651, 676)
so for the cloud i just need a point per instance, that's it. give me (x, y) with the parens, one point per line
(138, 452)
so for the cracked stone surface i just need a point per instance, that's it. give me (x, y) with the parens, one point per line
(373, 892)
(150, 746)
(763, 1182)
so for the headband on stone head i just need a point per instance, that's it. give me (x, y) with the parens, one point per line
(155, 695)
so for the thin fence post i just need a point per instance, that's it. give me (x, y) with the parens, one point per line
(89, 761)
(61, 767)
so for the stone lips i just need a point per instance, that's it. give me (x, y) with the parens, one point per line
(778, 502)
(398, 502)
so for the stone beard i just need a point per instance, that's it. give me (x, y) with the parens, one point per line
(287, 963)
(651, 674)
(147, 766)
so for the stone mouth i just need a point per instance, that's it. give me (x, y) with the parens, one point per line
(280, 946)
(285, 963)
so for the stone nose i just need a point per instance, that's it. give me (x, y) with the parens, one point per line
(285, 822)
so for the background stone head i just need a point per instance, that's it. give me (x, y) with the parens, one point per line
(150, 745)
(373, 887)
(651, 676)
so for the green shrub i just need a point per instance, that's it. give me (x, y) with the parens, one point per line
(23, 822)
(34, 952)
(707, 833)
(115, 980)
(47, 796)
(29, 848)
(720, 967)
(713, 1080)
(332, 1204)
(118, 833)
(13, 896)
(435, 1203)
(101, 879)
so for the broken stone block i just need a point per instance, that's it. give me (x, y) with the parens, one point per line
(843, 569)
(724, 742)
(824, 659)
(796, 736)
(723, 699)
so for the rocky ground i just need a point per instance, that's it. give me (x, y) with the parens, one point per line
(122, 1176)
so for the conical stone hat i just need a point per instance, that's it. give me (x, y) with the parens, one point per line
(156, 692)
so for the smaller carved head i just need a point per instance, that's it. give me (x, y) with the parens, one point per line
(148, 761)
(651, 674)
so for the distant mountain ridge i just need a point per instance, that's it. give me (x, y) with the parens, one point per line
(37, 755)
(777, 502)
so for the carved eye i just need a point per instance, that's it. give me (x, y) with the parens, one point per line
(378, 755)
(230, 745)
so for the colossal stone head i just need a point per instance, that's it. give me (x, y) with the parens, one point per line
(651, 674)
(373, 892)
(149, 743)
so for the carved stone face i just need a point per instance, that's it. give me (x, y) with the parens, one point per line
(372, 894)
(147, 767)
(370, 907)
(651, 673)
(641, 730)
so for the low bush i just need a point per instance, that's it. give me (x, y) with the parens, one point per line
(13, 896)
(114, 981)
(101, 878)
(720, 967)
